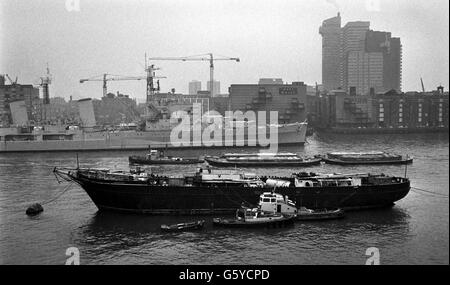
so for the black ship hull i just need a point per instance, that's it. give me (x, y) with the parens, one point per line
(142, 198)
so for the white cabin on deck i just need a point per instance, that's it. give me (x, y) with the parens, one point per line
(154, 154)
(276, 203)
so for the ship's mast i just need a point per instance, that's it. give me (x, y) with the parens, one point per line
(150, 84)
(45, 82)
(150, 70)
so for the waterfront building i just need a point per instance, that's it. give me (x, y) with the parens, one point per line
(412, 110)
(289, 100)
(221, 103)
(314, 90)
(390, 111)
(270, 81)
(15, 92)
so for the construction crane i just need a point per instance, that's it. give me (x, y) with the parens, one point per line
(150, 75)
(150, 71)
(10, 80)
(423, 86)
(109, 77)
(203, 57)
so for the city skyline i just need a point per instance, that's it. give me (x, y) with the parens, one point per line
(288, 46)
(356, 57)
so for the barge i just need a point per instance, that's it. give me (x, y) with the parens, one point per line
(355, 158)
(262, 160)
(158, 157)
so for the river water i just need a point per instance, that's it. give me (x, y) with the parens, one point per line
(414, 231)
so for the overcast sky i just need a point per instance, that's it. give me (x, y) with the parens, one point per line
(273, 38)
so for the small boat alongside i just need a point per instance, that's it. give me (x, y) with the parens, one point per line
(254, 217)
(354, 158)
(261, 160)
(198, 225)
(158, 157)
(276, 203)
(305, 214)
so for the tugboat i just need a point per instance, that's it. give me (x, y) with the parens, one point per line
(254, 217)
(158, 157)
(271, 202)
(261, 160)
(198, 225)
(353, 158)
(276, 203)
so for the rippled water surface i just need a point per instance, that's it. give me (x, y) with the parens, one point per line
(414, 231)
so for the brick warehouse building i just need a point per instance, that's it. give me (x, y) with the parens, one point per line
(16, 92)
(382, 112)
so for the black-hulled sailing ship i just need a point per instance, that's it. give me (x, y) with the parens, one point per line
(205, 192)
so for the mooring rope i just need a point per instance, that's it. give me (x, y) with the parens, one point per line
(431, 193)
(59, 195)
(45, 202)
